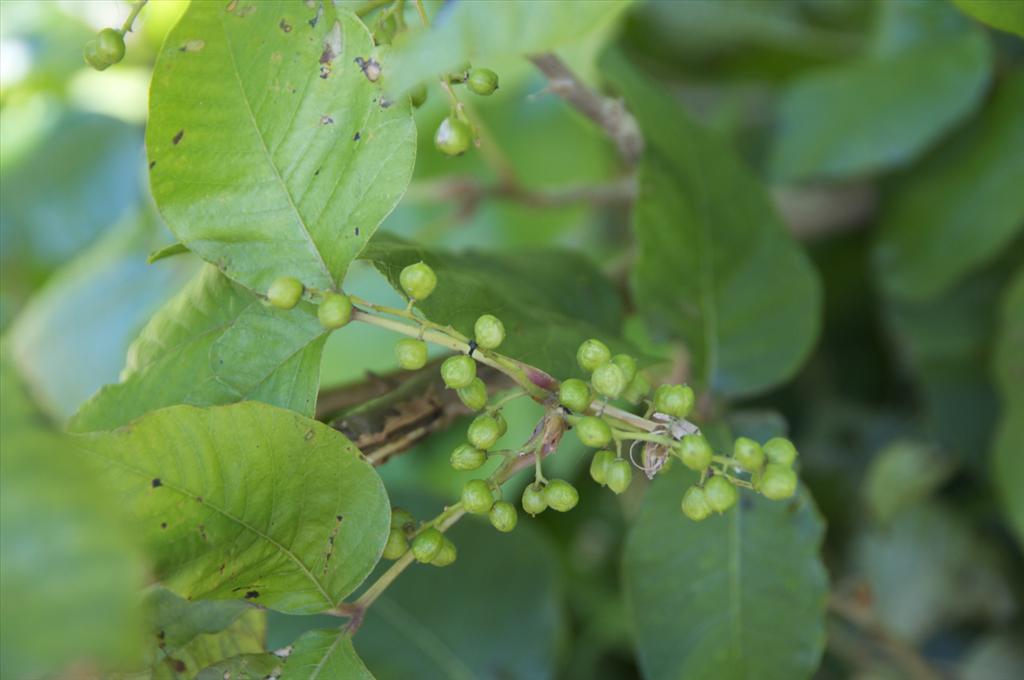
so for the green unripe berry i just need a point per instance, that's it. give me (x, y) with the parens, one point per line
(396, 546)
(91, 54)
(599, 466)
(591, 354)
(619, 475)
(674, 400)
(720, 494)
(489, 331)
(777, 482)
(695, 452)
(335, 310)
(426, 545)
(780, 450)
(482, 81)
(453, 137)
(748, 454)
(502, 423)
(285, 292)
(474, 396)
(560, 495)
(695, 504)
(458, 371)
(466, 457)
(483, 432)
(477, 497)
(418, 95)
(593, 432)
(533, 500)
(402, 519)
(608, 380)
(503, 516)
(637, 389)
(574, 394)
(411, 354)
(445, 555)
(107, 49)
(418, 280)
(627, 365)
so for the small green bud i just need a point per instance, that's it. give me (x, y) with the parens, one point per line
(695, 504)
(477, 497)
(466, 457)
(608, 380)
(418, 280)
(411, 354)
(489, 331)
(780, 450)
(778, 481)
(105, 50)
(402, 519)
(426, 544)
(748, 454)
(482, 81)
(620, 475)
(533, 500)
(335, 310)
(574, 394)
(418, 95)
(591, 354)
(720, 494)
(674, 400)
(627, 365)
(445, 555)
(503, 516)
(396, 545)
(599, 466)
(453, 137)
(593, 432)
(560, 495)
(483, 432)
(474, 396)
(458, 371)
(695, 452)
(285, 292)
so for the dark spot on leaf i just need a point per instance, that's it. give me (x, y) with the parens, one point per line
(177, 137)
(316, 17)
(192, 46)
(338, 517)
(221, 570)
(356, 137)
(178, 665)
(326, 120)
(161, 635)
(746, 502)
(163, 525)
(199, 499)
(231, 6)
(156, 482)
(252, 594)
(309, 435)
(151, 164)
(285, 26)
(370, 68)
(317, 172)
(202, 533)
(357, 231)
(385, 103)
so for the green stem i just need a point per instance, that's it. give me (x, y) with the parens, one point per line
(126, 27)
(369, 6)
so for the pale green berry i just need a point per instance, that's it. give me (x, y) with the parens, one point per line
(674, 400)
(285, 292)
(445, 555)
(627, 365)
(477, 497)
(695, 504)
(574, 394)
(466, 457)
(695, 452)
(402, 519)
(335, 310)
(483, 432)
(426, 544)
(720, 494)
(593, 432)
(482, 81)
(458, 371)
(533, 500)
(502, 423)
(453, 137)
(560, 495)
(777, 482)
(619, 475)
(396, 545)
(418, 280)
(411, 354)
(637, 389)
(474, 396)
(608, 380)
(599, 466)
(503, 516)
(780, 450)
(748, 454)
(591, 354)
(488, 331)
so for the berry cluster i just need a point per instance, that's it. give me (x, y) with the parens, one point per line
(455, 134)
(334, 309)
(429, 545)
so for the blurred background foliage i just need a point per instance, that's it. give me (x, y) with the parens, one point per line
(891, 136)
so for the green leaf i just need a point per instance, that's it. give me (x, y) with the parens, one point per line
(901, 475)
(549, 300)
(1006, 16)
(1008, 457)
(317, 654)
(959, 209)
(508, 581)
(214, 343)
(64, 552)
(741, 595)
(271, 152)
(716, 267)
(488, 31)
(883, 109)
(93, 307)
(189, 636)
(247, 501)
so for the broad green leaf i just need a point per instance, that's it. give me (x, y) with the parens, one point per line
(883, 109)
(1005, 15)
(247, 501)
(1008, 459)
(716, 267)
(271, 152)
(325, 654)
(486, 31)
(901, 475)
(956, 575)
(960, 208)
(996, 655)
(189, 636)
(549, 300)
(214, 343)
(93, 307)
(65, 556)
(414, 631)
(737, 596)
